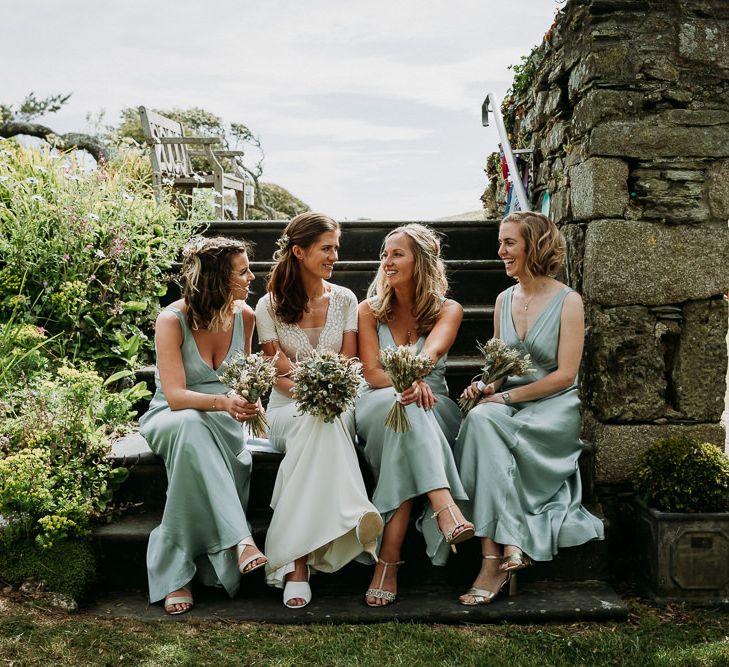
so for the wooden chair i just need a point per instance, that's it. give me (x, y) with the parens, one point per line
(171, 164)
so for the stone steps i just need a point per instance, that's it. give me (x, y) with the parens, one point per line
(537, 602)
(362, 239)
(123, 542)
(577, 589)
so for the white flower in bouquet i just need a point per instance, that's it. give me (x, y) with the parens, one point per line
(500, 361)
(251, 376)
(403, 366)
(326, 384)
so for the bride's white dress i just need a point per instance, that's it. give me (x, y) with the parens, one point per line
(319, 494)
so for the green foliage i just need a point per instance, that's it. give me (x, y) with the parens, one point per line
(21, 352)
(195, 121)
(54, 473)
(524, 73)
(84, 254)
(493, 166)
(67, 566)
(683, 475)
(32, 107)
(512, 106)
(280, 200)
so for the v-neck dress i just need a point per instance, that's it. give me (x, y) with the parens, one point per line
(518, 462)
(208, 476)
(408, 465)
(319, 494)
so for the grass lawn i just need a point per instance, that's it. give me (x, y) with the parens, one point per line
(30, 635)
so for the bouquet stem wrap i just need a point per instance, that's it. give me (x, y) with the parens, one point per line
(500, 361)
(403, 366)
(251, 376)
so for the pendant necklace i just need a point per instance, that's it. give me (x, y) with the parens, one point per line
(527, 302)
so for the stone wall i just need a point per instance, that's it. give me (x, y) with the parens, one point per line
(628, 117)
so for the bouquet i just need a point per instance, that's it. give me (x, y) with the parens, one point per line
(250, 376)
(403, 365)
(500, 361)
(326, 384)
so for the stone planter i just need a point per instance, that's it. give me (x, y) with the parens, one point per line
(682, 557)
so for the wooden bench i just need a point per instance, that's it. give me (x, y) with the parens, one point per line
(172, 165)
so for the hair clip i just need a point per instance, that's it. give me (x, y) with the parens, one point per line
(283, 242)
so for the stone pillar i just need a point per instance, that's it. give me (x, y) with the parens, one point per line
(627, 112)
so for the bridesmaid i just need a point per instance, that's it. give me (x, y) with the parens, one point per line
(322, 518)
(517, 450)
(406, 305)
(196, 428)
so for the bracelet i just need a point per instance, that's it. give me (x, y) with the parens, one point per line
(215, 400)
(481, 386)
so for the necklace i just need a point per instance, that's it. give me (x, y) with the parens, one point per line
(527, 301)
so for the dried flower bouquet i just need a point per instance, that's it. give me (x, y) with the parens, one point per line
(500, 361)
(403, 366)
(251, 376)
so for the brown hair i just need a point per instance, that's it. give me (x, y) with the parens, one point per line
(207, 265)
(431, 284)
(288, 296)
(545, 245)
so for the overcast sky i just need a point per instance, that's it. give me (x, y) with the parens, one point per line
(365, 109)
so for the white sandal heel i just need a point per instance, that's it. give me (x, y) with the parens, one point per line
(297, 589)
(243, 567)
(172, 600)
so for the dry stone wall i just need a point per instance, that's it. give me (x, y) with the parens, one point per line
(627, 113)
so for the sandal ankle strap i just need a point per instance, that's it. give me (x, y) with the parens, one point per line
(490, 557)
(443, 509)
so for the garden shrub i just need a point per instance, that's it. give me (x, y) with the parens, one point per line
(68, 566)
(682, 474)
(56, 422)
(85, 254)
(54, 473)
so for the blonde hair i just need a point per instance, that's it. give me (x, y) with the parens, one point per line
(207, 265)
(431, 284)
(545, 245)
(288, 296)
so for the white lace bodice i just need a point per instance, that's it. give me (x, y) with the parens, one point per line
(341, 317)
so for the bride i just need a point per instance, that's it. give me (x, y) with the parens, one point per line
(322, 518)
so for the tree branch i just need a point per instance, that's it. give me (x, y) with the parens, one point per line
(60, 141)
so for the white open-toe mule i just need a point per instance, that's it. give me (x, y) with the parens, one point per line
(297, 589)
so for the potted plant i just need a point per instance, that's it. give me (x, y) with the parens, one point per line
(682, 521)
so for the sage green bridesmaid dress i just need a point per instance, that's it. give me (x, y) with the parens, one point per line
(208, 475)
(407, 465)
(518, 463)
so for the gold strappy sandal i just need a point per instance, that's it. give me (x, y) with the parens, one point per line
(481, 596)
(514, 562)
(459, 533)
